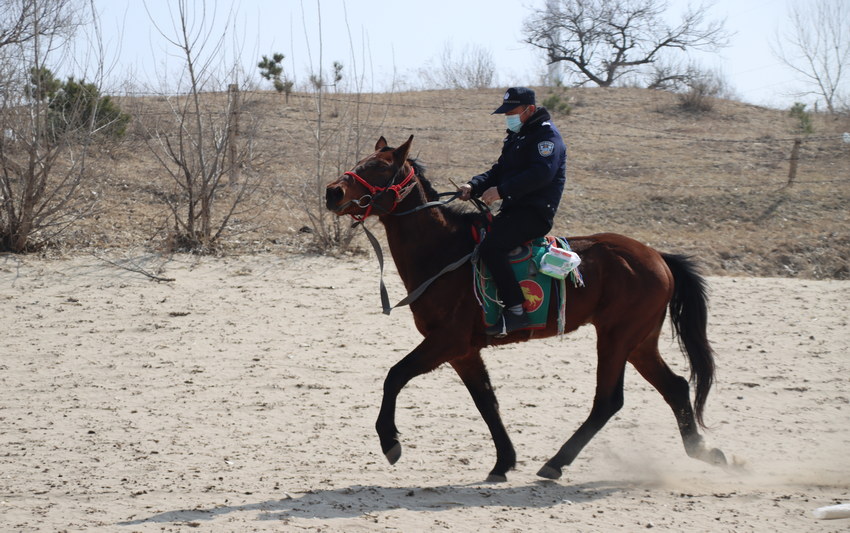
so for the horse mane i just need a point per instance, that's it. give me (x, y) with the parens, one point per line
(419, 169)
(463, 216)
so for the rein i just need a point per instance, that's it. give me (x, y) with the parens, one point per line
(416, 293)
(435, 203)
(401, 190)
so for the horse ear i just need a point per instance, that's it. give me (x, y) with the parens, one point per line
(400, 153)
(382, 143)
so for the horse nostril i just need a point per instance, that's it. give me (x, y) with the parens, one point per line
(333, 195)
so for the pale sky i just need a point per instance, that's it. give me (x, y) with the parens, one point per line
(395, 40)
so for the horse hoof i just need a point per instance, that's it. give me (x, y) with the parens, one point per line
(497, 478)
(549, 472)
(393, 454)
(716, 457)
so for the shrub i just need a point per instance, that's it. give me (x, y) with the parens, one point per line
(76, 106)
(700, 88)
(559, 101)
(804, 118)
(272, 70)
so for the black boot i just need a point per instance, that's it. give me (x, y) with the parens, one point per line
(508, 322)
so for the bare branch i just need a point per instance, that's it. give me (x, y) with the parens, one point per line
(44, 172)
(817, 47)
(602, 40)
(200, 143)
(133, 267)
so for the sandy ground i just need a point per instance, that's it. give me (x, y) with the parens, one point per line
(242, 397)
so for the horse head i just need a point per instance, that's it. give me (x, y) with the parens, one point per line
(377, 183)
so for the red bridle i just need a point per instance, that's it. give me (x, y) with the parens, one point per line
(400, 190)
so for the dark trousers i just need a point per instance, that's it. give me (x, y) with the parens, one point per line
(509, 230)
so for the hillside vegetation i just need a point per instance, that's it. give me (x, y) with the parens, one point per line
(712, 184)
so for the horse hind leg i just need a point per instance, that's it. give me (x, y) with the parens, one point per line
(607, 401)
(474, 375)
(676, 392)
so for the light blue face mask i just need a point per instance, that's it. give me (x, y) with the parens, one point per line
(513, 122)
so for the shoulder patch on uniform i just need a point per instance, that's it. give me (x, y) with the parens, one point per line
(545, 148)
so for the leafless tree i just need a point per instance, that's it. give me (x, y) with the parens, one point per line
(600, 41)
(817, 46)
(21, 21)
(671, 76)
(696, 87)
(203, 141)
(338, 137)
(46, 180)
(474, 68)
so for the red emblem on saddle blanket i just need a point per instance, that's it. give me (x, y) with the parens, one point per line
(533, 295)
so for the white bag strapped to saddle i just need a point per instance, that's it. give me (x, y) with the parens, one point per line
(558, 263)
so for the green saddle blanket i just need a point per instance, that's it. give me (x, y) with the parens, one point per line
(538, 288)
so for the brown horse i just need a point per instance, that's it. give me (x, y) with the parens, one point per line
(629, 287)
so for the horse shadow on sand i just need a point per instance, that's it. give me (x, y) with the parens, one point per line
(362, 500)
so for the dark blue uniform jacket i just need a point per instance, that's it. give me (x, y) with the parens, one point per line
(532, 169)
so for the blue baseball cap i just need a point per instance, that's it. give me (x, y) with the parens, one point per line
(513, 97)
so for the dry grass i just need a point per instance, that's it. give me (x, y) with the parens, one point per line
(711, 184)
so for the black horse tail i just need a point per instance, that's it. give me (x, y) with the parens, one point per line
(689, 315)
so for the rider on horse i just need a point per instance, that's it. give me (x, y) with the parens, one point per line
(529, 178)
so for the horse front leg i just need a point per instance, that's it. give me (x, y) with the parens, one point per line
(433, 351)
(472, 371)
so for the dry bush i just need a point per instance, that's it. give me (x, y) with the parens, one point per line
(46, 182)
(473, 68)
(203, 143)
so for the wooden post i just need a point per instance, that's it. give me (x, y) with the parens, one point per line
(233, 132)
(795, 156)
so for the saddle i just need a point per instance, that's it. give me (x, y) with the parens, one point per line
(538, 287)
